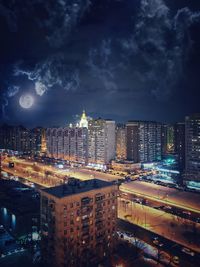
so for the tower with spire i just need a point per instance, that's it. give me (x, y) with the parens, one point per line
(84, 121)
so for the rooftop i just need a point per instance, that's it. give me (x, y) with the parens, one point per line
(75, 186)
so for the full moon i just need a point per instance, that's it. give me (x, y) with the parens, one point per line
(26, 101)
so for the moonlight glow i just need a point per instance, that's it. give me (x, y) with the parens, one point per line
(26, 101)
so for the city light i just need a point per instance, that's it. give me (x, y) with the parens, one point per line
(100, 133)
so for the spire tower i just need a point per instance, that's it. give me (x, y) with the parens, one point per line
(84, 121)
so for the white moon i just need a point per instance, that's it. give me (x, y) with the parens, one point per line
(26, 101)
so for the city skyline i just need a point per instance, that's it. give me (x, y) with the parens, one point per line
(99, 133)
(75, 120)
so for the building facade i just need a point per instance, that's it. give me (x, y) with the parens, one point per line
(132, 141)
(121, 142)
(164, 140)
(143, 141)
(18, 138)
(179, 144)
(69, 143)
(101, 141)
(192, 148)
(150, 141)
(170, 138)
(78, 222)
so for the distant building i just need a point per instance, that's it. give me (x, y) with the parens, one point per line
(20, 139)
(170, 138)
(150, 141)
(133, 141)
(84, 121)
(121, 142)
(69, 143)
(43, 149)
(143, 141)
(78, 222)
(164, 140)
(101, 141)
(125, 165)
(179, 144)
(6, 138)
(192, 148)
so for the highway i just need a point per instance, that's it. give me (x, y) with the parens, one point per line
(48, 176)
(168, 196)
(174, 228)
(180, 212)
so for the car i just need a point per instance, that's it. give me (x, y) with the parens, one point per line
(168, 207)
(188, 251)
(186, 212)
(198, 220)
(175, 260)
(139, 201)
(157, 242)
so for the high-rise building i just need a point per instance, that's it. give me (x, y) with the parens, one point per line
(143, 141)
(121, 142)
(69, 143)
(164, 140)
(192, 148)
(179, 144)
(20, 139)
(6, 140)
(170, 138)
(78, 222)
(35, 138)
(101, 141)
(132, 141)
(150, 141)
(43, 150)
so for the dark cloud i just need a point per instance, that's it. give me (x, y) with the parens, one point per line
(116, 51)
(55, 70)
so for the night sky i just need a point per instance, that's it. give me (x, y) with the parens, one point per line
(119, 59)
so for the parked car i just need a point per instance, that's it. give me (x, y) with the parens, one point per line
(188, 251)
(157, 242)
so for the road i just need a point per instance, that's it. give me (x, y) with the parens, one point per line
(169, 246)
(168, 196)
(192, 216)
(174, 228)
(48, 176)
(85, 174)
